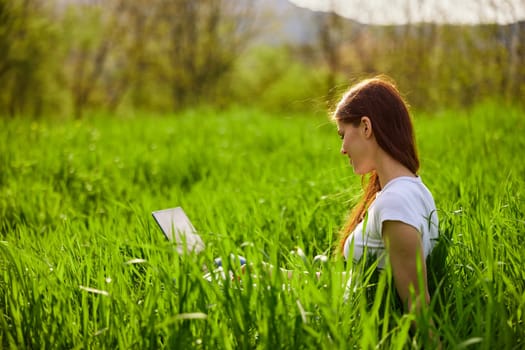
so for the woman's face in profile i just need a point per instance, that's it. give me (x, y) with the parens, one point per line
(356, 147)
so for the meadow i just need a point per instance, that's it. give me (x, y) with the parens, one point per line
(83, 264)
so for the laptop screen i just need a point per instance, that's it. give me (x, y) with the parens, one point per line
(178, 228)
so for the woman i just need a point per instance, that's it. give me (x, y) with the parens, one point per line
(396, 216)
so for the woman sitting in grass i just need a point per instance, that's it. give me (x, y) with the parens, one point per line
(396, 218)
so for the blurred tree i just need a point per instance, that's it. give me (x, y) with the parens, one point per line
(205, 38)
(26, 37)
(333, 52)
(141, 53)
(96, 35)
(331, 37)
(513, 39)
(181, 46)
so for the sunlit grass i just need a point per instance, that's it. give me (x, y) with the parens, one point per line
(84, 265)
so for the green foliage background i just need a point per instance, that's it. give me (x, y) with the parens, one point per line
(63, 59)
(83, 264)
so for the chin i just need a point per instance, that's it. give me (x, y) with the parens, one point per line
(362, 170)
(357, 171)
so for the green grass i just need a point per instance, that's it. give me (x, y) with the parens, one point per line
(75, 204)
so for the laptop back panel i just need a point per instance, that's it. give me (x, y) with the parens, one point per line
(178, 228)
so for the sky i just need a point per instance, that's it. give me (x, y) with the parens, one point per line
(412, 11)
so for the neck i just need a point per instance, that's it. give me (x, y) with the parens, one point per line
(387, 169)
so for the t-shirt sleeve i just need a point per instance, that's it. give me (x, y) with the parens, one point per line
(396, 207)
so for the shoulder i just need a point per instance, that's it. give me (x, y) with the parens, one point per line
(404, 190)
(404, 199)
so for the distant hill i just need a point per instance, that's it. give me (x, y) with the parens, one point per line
(283, 22)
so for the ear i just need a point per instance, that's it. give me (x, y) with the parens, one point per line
(366, 127)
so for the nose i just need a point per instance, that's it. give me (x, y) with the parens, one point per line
(343, 150)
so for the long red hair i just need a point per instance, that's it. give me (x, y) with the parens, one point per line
(378, 99)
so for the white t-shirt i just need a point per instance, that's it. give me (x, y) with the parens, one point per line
(404, 199)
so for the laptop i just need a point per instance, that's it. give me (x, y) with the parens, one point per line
(178, 228)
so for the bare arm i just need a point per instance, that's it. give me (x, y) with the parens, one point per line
(406, 250)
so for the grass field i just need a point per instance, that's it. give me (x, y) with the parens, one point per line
(83, 265)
